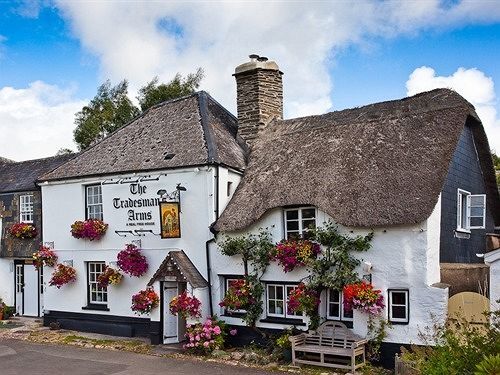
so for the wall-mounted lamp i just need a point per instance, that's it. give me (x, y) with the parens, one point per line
(68, 263)
(367, 267)
(137, 243)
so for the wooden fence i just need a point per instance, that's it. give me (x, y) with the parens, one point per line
(404, 367)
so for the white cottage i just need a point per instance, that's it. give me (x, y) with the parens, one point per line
(185, 152)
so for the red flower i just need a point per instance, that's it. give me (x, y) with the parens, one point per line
(303, 299)
(62, 275)
(44, 257)
(23, 231)
(145, 301)
(362, 296)
(131, 261)
(185, 305)
(293, 253)
(92, 229)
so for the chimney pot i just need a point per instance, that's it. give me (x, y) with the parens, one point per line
(262, 59)
(254, 57)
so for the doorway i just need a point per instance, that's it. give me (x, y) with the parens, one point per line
(27, 286)
(173, 326)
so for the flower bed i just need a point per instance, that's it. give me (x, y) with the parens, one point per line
(303, 299)
(110, 276)
(62, 275)
(238, 295)
(145, 301)
(91, 229)
(23, 231)
(293, 253)
(132, 262)
(362, 296)
(45, 256)
(205, 338)
(185, 305)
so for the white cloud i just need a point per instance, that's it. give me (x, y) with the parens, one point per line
(131, 41)
(36, 121)
(473, 85)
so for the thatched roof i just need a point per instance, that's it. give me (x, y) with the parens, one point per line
(382, 164)
(22, 176)
(195, 129)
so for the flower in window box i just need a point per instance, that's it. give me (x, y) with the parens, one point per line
(145, 301)
(23, 231)
(303, 299)
(109, 276)
(45, 256)
(91, 229)
(362, 296)
(238, 296)
(132, 262)
(185, 305)
(293, 253)
(62, 275)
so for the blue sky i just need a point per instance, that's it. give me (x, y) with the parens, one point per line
(54, 54)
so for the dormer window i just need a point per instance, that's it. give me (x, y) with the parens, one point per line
(299, 220)
(471, 211)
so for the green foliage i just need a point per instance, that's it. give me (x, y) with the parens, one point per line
(377, 332)
(460, 347)
(64, 151)
(284, 340)
(153, 92)
(107, 111)
(490, 365)
(496, 164)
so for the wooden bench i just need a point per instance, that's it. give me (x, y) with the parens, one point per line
(333, 345)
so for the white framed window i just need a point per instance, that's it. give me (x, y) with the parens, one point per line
(335, 306)
(26, 208)
(19, 278)
(399, 306)
(277, 301)
(299, 220)
(471, 211)
(93, 202)
(96, 294)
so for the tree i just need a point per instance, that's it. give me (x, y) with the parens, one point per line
(110, 109)
(153, 93)
(64, 151)
(496, 164)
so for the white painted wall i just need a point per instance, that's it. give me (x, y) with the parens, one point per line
(493, 260)
(64, 202)
(7, 281)
(402, 257)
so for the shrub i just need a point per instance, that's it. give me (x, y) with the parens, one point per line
(205, 337)
(490, 365)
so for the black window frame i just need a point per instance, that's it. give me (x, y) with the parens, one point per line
(93, 305)
(389, 306)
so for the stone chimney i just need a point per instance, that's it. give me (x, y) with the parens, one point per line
(259, 90)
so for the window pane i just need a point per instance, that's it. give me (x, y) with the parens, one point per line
(308, 224)
(334, 296)
(476, 221)
(476, 211)
(477, 200)
(334, 310)
(292, 215)
(398, 298)
(348, 314)
(292, 225)
(308, 213)
(399, 312)
(272, 292)
(279, 307)
(279, 292)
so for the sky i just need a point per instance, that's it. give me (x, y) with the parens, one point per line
(334, 55)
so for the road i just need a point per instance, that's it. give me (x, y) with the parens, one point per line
(27, 358)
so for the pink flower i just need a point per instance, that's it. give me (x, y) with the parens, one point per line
(206, 344)
(217, 330)
(233, 332)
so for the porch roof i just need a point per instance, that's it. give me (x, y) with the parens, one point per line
(177, 263)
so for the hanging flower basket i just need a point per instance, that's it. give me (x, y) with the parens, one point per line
(362, 296)
(185, 305)
(293, 253)
(23, 231)
(110, 276)
(302, 299)
(238, 296)
(62, 275)
(132, 262)
(145, 301)
(207, 337)
(45, 256)
(92, 229)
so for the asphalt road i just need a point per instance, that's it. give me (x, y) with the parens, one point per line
(26, 358)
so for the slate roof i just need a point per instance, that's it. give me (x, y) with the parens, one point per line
(183, 265)
(382, 164)
(195, 128)
(22, 176)
(5, 160)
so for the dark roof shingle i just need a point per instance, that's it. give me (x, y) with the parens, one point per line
(195, 129)
(382, 164)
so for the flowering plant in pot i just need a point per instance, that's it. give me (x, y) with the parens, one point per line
(23, 231)
(132, 262)
(293, 253)
(145, 301)
(205, 337)
(362, 296)
(238, 296)
(3, 306)
(91, 229)
(303, 299)
(109, 276)
(45, 256)
(62, 275)
(185, 305)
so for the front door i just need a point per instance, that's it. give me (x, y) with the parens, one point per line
(19, 281)
(30, 290)
(170, 322)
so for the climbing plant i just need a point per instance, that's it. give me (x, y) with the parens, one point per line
(256, 252)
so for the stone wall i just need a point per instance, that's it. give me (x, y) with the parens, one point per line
(466, 277)
(9, 212)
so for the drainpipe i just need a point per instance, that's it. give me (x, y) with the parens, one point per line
(207, 244)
